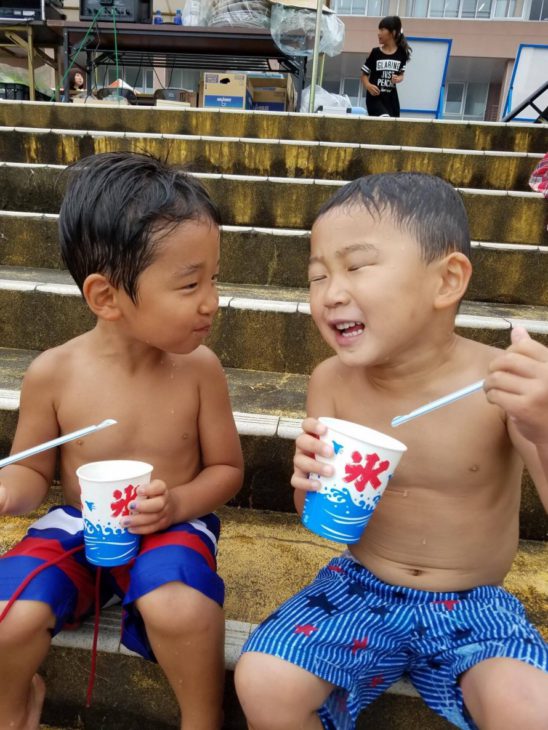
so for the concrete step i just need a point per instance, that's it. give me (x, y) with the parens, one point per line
(505, 273)
(282, 158)
(505, 216)
(41, 308)
(268, 408)
(518, 137)
(264, 558)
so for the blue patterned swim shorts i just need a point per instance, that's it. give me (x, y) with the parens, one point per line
(362, 635)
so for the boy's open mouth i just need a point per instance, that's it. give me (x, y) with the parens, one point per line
(349, 329)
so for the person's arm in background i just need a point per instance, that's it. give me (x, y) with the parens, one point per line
(366, 71)
(518, 383)
(398, 78)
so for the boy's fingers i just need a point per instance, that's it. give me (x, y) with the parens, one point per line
(154, 488)
(518, 334)
(505, 383)
(311, 445)
(521, 342)
(306, 465)
(515, 362)
(309, 485)
(313, 426)
(151, 505)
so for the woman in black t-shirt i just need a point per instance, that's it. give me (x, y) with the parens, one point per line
(384, 68)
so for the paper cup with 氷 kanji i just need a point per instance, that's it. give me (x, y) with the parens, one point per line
(364, 460)
(107, 490)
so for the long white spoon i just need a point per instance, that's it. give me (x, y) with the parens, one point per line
(56, 442)
(439, 403)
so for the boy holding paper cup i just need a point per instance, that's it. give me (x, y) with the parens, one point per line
(141, 240)
(420, 593)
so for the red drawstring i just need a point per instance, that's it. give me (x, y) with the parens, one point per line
(38, 570)
(95, 636)
(33, 574)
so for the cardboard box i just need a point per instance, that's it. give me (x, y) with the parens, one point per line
(274, 93)
(167, 103)
(229, 90)
(189, 97)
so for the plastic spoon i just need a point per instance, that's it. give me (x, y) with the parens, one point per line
(56, 442)
(439, 403)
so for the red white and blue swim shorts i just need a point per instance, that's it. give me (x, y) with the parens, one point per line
(184, 552)
(362, 635)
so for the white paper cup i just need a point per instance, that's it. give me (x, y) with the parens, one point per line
(364, 461)
(107, 489)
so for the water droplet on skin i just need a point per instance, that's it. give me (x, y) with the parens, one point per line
(424, 541)
(80, 442)
(405, 493)
(172, 412)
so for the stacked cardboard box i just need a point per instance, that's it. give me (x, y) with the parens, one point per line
(226, 90)
(175, 97)
(273, 92)
(270, 92)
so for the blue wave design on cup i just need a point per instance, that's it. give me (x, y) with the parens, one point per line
(335, 516)
(108, 546)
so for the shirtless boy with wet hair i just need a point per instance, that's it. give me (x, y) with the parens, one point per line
(141, 240)
(421, 592)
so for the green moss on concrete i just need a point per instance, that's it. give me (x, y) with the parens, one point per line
(507, 218)
(420, 133)
(269, 157)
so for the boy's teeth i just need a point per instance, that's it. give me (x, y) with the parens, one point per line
(350, 329)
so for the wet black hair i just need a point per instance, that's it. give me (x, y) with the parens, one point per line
(429, 208)
(116, 207)
(393, 24)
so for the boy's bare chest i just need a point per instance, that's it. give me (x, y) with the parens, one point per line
(156, 418)
(455, 448)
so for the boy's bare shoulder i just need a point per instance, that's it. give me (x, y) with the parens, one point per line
(52, 364)
(482, 353)
(328, 369)
(202, 357)
(202, 364)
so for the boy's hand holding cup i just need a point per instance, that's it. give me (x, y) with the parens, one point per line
(309, 446)
(108, 490)
(351, 464)
(152, 509)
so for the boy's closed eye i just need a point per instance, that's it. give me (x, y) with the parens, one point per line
(361, 260)
(316, 277)
(194, 284)
(357, 267)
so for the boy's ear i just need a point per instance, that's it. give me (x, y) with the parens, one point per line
(455, 271)
(101, 297)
